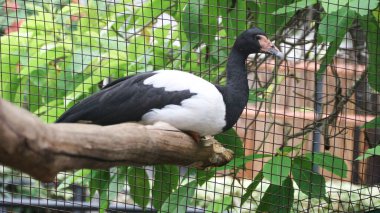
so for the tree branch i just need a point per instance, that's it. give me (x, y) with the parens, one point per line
(43, 150)
(339, 104)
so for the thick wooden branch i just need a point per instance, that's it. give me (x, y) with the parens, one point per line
(43, 150)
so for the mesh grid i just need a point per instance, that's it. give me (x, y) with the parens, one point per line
(306, 141)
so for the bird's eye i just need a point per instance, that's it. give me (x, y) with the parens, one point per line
(258, 37)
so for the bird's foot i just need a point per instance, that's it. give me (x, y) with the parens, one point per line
(219, 154)
(195, 136)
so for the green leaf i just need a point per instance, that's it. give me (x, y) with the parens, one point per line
(291, 8)
(94, 183)
(239, 162)
(42, 22)
(374, 123)
(370, 153)
(331, 6)
(233, 14)
(70, 10)
(142, 16)
(138, 182)
(11, 47)
(332, 29)
(269, 22)
(77, 177)
(335, 25)
(329, 162)
(103, 191)
(81, 59)
(51, 112)
(204, 175)
(285, 150)
(363, 7)
(257, 95)
(209, 17)
(278, 198)
(149, 11)
(191, 22)
(231, 140)
(220, 206)
(34, 71)
(166, 179)
(98, 179)
(252, 187)
(117, 182)
(180, 198)
(372, 28)
(310, 183)
(277, 169)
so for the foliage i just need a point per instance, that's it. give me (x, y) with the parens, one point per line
(369, 153)
(14, 183)
(63, 50)
(336, 20)
(347, 197)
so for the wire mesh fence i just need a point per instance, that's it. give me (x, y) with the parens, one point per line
(307, 140)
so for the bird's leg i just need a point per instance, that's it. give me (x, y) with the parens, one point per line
(194, 135)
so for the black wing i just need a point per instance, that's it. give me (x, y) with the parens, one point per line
(127, 99)
(117, 81)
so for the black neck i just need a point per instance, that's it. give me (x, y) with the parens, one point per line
(237, 71)
(236, 90)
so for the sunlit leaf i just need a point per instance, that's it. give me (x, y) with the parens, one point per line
(140, 16)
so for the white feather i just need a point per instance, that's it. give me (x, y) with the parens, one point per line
(203, 113)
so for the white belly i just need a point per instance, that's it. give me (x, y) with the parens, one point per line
(203, 113)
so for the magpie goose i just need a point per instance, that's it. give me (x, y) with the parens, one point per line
(181, 99)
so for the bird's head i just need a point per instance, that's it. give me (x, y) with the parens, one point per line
(254, 40)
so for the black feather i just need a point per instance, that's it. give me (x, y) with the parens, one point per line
(117, 81)
(126, 99)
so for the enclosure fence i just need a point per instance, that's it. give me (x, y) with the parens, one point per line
(307, 141)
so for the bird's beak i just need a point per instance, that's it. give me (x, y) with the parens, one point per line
(268, 47)
(276, 52)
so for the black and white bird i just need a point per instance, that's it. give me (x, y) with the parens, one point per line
(185, 101)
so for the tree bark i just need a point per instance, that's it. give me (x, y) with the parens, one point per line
(43, 150)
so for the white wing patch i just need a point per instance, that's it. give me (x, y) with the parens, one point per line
(203, 113)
